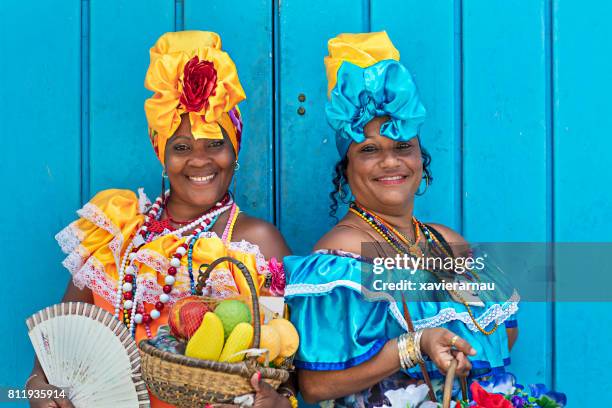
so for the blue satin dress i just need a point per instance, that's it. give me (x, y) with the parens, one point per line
(339, 328)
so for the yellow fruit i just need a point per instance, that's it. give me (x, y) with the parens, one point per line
(290, 340)
(240, 339)
(207, 342)
(270, 340)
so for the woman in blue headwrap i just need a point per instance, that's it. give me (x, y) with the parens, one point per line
(358, 343)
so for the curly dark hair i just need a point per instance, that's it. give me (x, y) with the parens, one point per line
(341, 191)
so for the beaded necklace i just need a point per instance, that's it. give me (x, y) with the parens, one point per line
(380, 228)
(412, 246)
(127, 292)
(190, 255)
(387, 234)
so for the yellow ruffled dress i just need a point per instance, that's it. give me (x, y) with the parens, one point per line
(95, 244)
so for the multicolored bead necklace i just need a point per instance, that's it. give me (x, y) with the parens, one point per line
(397, 241)
(127, 291)
(389, 234)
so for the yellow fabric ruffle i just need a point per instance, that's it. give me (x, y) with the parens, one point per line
(168, 57)
(362, 49)
(96, 242)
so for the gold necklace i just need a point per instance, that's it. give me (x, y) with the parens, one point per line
(400, 251)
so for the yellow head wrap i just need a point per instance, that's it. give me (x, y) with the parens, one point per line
(363, 50)
(190, 74)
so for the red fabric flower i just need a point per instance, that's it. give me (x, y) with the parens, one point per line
(199, 82)
(487, 400)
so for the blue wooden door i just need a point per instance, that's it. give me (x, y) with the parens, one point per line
(517, 127)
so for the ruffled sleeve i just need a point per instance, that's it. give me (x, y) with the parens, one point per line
(93, 243)
(338, 328)
(342, 323)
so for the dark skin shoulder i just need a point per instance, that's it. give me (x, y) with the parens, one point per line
(451, 236)
(458, 244)
(347, 235)
(262, 233)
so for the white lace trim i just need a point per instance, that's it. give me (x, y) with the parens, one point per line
(69, 238)
(88, 271)
(149, 290)
(97, 217)
(160, 264)
(76, 259)
(249, 248)
(220, 284)
(93, 276)
(497, 313)
(143, 201)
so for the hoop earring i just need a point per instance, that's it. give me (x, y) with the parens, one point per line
(163, 183)
(236, 168)
(427, 183)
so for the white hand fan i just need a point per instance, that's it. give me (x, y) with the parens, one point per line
(85, 350)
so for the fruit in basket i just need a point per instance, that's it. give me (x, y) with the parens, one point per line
(232, 312)
(186, 316)
(240, 339)
(269, 339)
(290, 340)
(207, 341)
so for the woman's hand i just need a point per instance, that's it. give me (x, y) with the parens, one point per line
(266, 396)
(38, 383)
(437, 343)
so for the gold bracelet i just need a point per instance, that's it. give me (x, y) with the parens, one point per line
(401, 351)
(415, 355)
(405, 360)
(410, 346)
(417, 345)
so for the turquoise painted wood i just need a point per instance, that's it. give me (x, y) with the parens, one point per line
(307, 148)
(582, 194)
(120, 154)
(40, 129)
(506, 148)
(518, 125)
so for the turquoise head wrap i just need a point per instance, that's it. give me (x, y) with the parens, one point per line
(385, 88)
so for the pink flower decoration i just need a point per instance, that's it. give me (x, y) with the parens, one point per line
(277, 272)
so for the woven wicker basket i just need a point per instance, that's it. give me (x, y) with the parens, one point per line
(190, 382)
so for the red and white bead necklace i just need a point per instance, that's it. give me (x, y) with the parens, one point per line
(127, 271)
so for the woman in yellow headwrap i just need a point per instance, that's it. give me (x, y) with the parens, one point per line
(134, 257)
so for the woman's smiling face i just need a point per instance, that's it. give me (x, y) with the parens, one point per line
(384, 173)
(200, 170)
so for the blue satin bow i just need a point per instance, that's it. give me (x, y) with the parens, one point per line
(361, 94)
